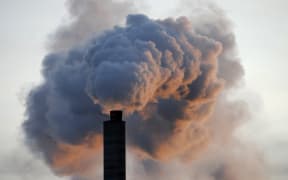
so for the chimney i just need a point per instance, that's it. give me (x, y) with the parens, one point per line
(114, 147)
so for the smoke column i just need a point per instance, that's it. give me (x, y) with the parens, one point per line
(172, 78)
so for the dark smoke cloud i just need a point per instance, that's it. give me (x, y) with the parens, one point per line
(167, 75)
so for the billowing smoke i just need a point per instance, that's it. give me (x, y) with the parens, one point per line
(171, 77)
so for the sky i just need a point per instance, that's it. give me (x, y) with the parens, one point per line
(262, 35)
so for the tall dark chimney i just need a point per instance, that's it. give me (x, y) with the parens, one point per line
(114, 147)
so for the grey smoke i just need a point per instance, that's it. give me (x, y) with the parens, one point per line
(89, 18)
(172, 78)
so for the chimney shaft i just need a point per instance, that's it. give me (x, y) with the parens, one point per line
(114, 147)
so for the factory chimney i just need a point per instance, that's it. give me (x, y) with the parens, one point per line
(114, 147)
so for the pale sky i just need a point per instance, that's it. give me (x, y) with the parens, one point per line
(262, 34)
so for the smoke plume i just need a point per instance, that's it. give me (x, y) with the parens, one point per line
(171, 77)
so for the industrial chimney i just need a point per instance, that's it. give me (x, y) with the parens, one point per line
(114, 147)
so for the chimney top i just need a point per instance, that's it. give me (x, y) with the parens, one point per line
(116, 115)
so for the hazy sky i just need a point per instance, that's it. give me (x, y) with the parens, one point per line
(262, 33)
